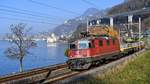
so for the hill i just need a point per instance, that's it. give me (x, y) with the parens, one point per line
(74, 24)
(130, 72)
(70, 26)
(129, 5)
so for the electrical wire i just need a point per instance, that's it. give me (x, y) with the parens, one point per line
(50, 6)
(23, 13)
(22, 16)
(29, 11)
(8, 18)
(90, 3)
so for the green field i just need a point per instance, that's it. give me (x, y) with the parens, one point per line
(135, 71)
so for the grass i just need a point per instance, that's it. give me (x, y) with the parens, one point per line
(135, 71)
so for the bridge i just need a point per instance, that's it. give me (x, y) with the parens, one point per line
(122, 18)
(126, 19)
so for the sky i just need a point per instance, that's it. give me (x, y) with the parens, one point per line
(44, 15)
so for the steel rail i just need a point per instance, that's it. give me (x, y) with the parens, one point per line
(60, 77)
(46, 75)
(30, 74)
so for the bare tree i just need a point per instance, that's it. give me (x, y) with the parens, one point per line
(21, 43)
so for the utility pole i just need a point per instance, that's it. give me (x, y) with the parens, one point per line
(139, 31)
(130, 23)
(140, 28)
(111, 22)
(87, 25)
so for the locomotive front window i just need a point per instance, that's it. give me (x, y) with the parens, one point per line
(90, 45)
(83, 46)
(72, 46)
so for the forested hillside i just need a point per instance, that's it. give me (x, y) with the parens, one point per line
(129, 5)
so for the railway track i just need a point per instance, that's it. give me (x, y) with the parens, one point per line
(75, 75)
(46, 75)
(32, 76)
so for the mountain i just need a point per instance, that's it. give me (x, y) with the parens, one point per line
(71, 25)
(90, 11)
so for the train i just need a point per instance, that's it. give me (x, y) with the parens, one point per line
(94, 50)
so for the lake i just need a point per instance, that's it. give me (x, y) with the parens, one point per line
(40, 56)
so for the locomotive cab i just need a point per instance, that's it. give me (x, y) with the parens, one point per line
(79, 49)
(84, 44)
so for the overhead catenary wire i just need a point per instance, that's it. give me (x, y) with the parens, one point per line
(29, 11)
(22, 16)
(57, 8)
(90, 3)
(23, 13)
(27, 14)
(10, 18)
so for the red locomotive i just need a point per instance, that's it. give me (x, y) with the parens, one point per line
(82, 53)
(92, 50)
